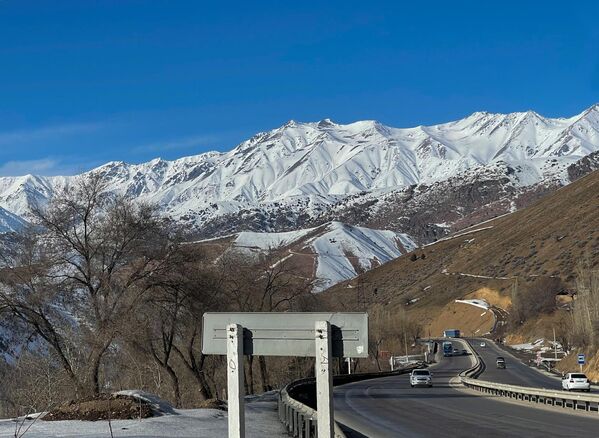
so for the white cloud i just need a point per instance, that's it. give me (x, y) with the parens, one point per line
(14, 138)
(179, 143)
(44, 167)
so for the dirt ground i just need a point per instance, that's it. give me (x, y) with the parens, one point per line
(103, 407)
(470, 320)
(491, 296)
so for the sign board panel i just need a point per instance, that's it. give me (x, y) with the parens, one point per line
(286, 333)
(581, 360)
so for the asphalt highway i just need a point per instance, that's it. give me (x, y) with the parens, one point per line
(515, 372)
(389, 407)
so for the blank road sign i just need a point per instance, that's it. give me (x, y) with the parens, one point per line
(286, 333)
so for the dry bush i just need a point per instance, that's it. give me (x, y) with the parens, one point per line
(585, 312)
(390, 330)
(535, 298)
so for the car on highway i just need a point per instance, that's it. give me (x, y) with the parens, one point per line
(483, 344)
(576, 381)
(421, 377)
(457, 352)
(500, 362)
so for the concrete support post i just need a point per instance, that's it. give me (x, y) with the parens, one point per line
(235, 382)
(324, 380)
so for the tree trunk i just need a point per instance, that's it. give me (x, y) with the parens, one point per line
(264, 374)
(93, 383)
(175, 383)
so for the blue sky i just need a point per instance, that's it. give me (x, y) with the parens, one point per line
(85, 82)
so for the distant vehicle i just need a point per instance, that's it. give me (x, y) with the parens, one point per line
(447, 349)
(421, 377)
(465, 352)
(576, 381)
(483, 344)
(456, 352)
(500, 362)
(451, 333)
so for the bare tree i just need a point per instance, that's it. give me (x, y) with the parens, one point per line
(388, 330)
(82, 271)
(264, 283)
(535, 298)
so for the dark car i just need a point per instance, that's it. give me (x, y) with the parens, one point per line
(500, 362)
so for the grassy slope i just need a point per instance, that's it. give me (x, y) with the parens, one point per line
(547, 238)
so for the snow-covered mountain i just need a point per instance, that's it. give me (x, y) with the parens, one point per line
(328, 254)
(10, 222)
(295, 175)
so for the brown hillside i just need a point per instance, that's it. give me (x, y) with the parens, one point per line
(547, 238)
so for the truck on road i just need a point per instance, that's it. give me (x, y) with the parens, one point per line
(451, 333)
(447, 349)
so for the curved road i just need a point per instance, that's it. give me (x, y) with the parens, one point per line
(515, 372)
(388, 407)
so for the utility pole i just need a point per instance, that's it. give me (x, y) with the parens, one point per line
(554, 344)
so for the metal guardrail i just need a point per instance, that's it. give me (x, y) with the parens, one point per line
(301, 420)
(555, 398)
(479, 366)
(563, 399)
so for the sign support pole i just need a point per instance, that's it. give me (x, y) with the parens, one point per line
(324, 379)
(235, 381)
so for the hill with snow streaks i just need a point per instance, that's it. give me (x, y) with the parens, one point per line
(327, 254)
(305, 174)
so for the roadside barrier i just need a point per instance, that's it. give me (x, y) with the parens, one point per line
(549, 397)
(562, 399)
(297, 402)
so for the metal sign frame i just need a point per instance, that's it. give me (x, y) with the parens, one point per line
(317, 334)
(286, 333)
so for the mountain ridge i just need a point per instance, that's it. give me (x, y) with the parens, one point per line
(290, 176)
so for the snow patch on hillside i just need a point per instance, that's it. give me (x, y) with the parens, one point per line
(345, 250)
(340, 251)
(269, 241)
(477, 303)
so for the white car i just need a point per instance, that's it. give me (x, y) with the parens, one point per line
(483, 344)
(576, 381)
(421, 377)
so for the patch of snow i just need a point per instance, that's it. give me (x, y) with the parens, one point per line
(343, 248)
(269, 241)
(478, 303)
(157, 404)
(261, 421)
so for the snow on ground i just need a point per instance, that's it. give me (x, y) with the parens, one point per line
(541, 345)
(156, 403)
(478, 303)
(261, 421)
(529, 346)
